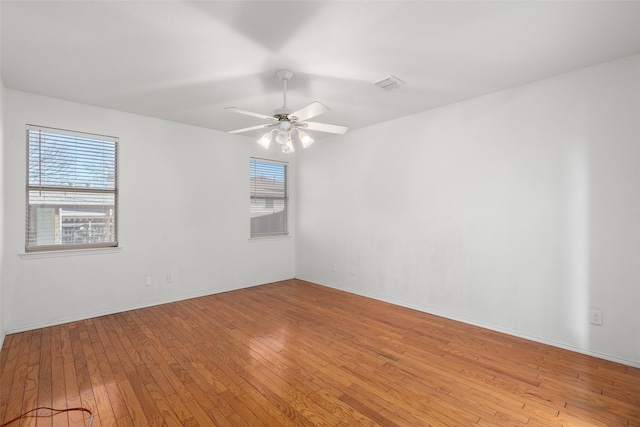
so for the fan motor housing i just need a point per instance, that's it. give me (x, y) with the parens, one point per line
(282, 112)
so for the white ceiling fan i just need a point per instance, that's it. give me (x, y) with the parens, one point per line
(285, 122)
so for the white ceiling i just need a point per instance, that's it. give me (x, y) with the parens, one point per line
(185, 61)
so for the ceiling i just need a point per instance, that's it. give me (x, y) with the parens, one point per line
(185, 61)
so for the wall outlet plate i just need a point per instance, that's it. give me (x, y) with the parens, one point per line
(595, 317)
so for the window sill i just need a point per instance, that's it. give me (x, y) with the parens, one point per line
(69, 253)
(259, 239)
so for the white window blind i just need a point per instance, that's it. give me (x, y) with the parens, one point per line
(72, 192)
(269, 198)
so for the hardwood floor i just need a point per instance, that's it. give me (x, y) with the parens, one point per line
(297, 354)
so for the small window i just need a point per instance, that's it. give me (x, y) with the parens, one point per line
(72, 190)
(268, 205)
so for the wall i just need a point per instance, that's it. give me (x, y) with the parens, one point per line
(183, 209)
(517, 211)
(2, 310)
(2, 291)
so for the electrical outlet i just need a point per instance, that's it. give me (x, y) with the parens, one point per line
(334, 268)
(171, 278)
(147, 280)
(354, 271)
(595, 317)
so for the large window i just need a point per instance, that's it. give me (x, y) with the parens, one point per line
(269, 198)
(72, 192)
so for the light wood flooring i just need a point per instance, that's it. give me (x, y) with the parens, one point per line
(297, 354)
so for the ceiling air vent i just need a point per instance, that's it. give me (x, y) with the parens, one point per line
(389, 83)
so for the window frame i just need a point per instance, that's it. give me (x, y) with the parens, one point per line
(285, 199)
(59, 246)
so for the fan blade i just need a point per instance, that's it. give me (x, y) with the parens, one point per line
(311, 110)
(253, 128)
(323, 127)
(250, 113)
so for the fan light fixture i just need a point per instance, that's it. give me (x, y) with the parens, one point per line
(288, 147)
(284, 121)
(265, 141)
(305, 139)
(282, 137)
(285, 139)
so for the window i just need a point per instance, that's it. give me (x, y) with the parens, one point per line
(269, 198)
(72, 193)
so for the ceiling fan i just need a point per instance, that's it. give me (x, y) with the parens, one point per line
(285, 123)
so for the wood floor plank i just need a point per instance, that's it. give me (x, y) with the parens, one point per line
(44, 395)
(116, 400)
(30, 396)
(262, 406)
(134, 406)
(9, 357)
(58, 392)
(201, 416)
(72, 392)
(293, 353)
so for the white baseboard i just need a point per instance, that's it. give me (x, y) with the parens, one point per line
(122, 309)
(633, 363)
(61, 321)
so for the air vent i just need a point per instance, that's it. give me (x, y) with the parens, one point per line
(389, 83)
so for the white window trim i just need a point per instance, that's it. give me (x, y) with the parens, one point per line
(70, 252)
(276, 235)
(76, 249)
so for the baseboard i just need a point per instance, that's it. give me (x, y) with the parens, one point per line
(122, 309)
(472, 322)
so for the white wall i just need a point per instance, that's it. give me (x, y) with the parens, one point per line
(183, 208)
(518, 211)
(2, 310)
(2, 227)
